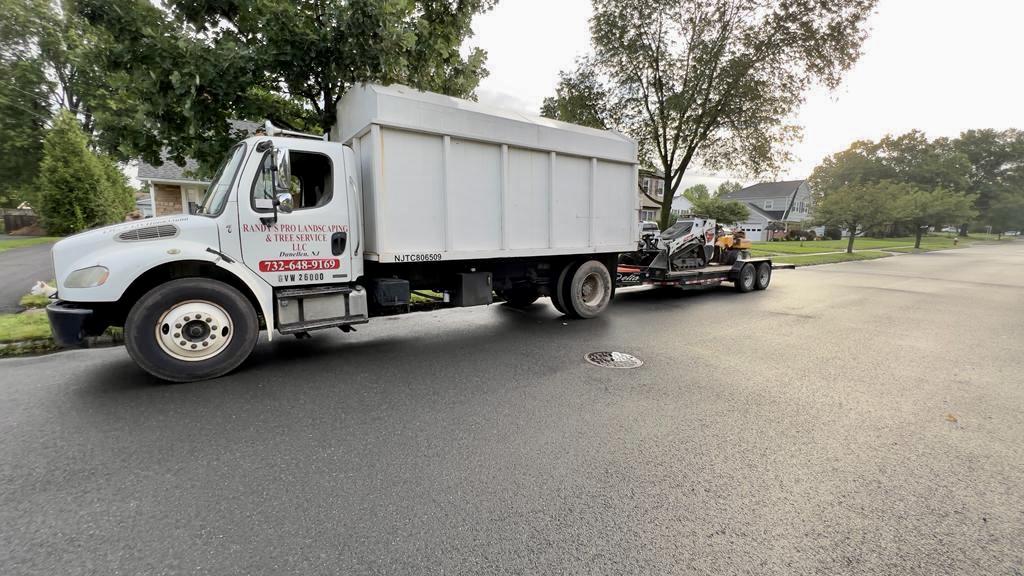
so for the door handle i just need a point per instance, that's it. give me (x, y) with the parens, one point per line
(338, 241)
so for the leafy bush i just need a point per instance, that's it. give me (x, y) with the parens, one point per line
(833, 233)
(78, 189)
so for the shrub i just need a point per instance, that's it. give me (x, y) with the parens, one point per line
(833, 233)
(78, 189)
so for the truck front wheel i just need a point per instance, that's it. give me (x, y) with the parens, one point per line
(191, 329)
(587, 290)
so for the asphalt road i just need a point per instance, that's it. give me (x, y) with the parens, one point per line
(20, 268)
(860, 418)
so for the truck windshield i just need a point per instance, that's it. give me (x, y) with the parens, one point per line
(220, 187)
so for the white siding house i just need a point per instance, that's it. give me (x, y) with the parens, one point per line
(784, 204)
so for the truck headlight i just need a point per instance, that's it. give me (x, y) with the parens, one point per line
(87, 277)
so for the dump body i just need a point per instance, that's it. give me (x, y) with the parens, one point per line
(447, 179)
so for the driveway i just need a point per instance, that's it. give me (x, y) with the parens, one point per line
(20, 268)
(857, 418)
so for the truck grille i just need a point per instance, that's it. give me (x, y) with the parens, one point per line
(149, 233)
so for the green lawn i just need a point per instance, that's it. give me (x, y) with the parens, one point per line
(811, 260)
(33, 301)
(933, 242)
(22, 242)
(24, 326)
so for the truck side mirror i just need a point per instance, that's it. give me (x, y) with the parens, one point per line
(283, 203)
(282, 172)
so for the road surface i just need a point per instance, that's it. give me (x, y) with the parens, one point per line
(858, 418)
(20, 268)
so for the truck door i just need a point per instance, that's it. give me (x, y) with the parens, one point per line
(310, 245)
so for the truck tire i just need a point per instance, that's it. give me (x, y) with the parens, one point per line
(191, 329)
(764, 276)
(587, 290)
(746, 279)
(520, 297)
(558, 290)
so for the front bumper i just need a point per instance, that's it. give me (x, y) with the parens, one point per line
(67, 323)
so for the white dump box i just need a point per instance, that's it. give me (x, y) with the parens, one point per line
(448, 179)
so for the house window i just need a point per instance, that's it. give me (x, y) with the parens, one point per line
(768, 204)
(648, 214)
(801, 207)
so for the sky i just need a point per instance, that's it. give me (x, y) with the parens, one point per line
(941, 66)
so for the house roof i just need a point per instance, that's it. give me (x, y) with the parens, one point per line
(769, 214)
(766, 190)
(169, 171)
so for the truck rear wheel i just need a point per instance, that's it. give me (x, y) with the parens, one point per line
(558, 290)
(191, 329)
(764, 276)
(587, 290)
(747, 278)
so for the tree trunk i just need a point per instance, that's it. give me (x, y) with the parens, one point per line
(849, 245)
(666, 202)
(917, 238)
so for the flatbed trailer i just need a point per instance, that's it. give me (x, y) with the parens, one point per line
(746, 275)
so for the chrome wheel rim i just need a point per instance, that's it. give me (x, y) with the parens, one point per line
(194, 331)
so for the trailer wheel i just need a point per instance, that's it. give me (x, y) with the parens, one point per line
(747, 278)
(520, 297)
(588, 290)
(191, 329)
(764, 275)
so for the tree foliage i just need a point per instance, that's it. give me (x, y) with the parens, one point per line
(176, 73)
(711, 81)
(996, 167)
(908, 158)
(722, 211)
(79, 189)
(728, 187)
(696, 192)
(1006, 213)
(922, 208)
(580, 99)
(925, 182)
(855, 207)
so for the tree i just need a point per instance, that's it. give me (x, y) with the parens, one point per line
(728, 187)
(908, 158)
(579, 98)
(713, 81)
(24, 115)
(996, 167)
(1007, 213)
(855, 207)
(78, 188)
(721, 211)
(923, 208)
(696, 192)
(176, 73)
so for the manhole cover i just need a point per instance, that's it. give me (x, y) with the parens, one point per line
(614, 360)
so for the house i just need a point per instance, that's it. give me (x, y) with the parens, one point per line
(681, 205)
(174, 189)
(774, 207)
(653, 183)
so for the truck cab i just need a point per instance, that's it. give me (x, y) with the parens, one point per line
(275, 244)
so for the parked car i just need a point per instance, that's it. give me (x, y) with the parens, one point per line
(648, 227)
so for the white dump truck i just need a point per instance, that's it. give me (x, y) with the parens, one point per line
(296, 233)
